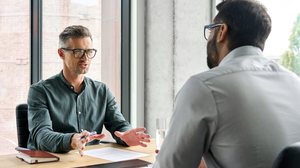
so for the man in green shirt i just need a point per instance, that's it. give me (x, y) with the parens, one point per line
(63, 105)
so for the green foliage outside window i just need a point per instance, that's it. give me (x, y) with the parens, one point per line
(291, 58)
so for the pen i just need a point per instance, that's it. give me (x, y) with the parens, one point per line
(90, 134)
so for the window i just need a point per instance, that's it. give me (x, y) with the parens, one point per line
(283, 42)
(14, 67)
(103, 18)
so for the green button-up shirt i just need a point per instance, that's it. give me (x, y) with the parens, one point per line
(56, 112)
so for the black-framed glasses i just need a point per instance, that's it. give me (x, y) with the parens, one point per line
(79, 53)
(207, 29)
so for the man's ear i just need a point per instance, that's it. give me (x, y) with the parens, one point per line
(61, 53)
(222, 33)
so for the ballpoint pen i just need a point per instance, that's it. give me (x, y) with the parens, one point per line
(90, 134)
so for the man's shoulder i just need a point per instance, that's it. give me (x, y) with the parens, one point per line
(211, 74)
(47, 82)
(38, 84)
(238, 66)
(94, 83)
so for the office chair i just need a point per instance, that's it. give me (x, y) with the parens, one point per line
(289, 157)
(22, 125)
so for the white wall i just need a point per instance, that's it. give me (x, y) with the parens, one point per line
(175, 49)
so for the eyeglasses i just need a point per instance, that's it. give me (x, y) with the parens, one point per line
(207, 29)
(79, 53)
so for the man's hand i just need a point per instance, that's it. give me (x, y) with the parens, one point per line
(134, 137)
(79, 140)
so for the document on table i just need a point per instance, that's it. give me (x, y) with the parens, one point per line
(114, 154)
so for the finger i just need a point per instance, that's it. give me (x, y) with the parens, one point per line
(139, 129)
(143, 136)
(85, 133)
(143, 145)
(97, 136)
(145, 140)
(118, 134)
(81, 151)
(83, 136)
(82, 140)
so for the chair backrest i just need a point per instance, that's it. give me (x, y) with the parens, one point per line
(289, 157)
(22, 125)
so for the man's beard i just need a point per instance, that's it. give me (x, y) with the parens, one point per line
(212, 53)
(80, 71)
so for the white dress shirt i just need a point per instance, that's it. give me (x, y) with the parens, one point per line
(237, 115)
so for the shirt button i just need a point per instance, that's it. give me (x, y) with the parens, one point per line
(79, 112)
(72, 87)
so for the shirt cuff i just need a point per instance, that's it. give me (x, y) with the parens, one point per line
(67, 141)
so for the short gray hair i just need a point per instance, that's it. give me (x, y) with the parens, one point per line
(75, 31)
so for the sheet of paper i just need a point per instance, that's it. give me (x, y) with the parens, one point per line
(114, 154)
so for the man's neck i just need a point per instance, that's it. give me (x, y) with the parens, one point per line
(223, 51)
(75, 80)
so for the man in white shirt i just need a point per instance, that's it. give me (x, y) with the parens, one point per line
(245, 109)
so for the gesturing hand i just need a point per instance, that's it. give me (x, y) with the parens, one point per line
(134, 137)
(79, 140)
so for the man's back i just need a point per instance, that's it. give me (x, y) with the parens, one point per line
(242, 111)
(258, 111)
(238, 115)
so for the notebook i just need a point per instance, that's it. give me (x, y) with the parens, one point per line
(36, 156)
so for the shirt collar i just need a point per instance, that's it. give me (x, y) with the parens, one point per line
(62, 78)
(241, 51)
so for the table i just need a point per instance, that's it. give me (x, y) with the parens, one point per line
(72, 158)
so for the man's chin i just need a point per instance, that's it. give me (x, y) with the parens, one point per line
(82, 71)
(85, 71)
(210, 64)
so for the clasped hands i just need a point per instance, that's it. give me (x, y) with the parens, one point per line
(133, 137)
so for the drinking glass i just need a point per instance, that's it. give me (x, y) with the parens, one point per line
(161, 131)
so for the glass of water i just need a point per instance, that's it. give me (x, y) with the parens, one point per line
(161, 131)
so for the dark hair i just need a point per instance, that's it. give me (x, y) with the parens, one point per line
(247, 20)
(75, 31)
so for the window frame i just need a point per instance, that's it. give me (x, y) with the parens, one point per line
(125, 58)
(35, 40)
(36, 22)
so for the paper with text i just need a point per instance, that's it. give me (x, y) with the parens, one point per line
(114, 154)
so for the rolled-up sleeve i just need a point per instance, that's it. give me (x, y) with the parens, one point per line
(114, 120)
(42, 136)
